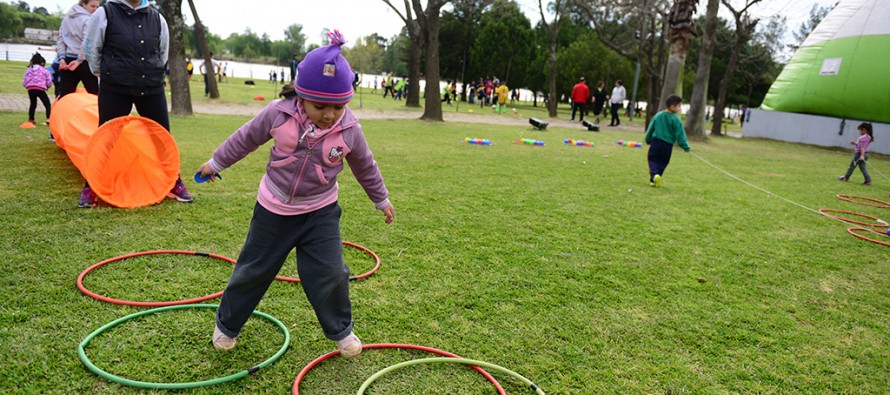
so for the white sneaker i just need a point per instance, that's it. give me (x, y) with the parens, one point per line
(350, 346)
(221, 341)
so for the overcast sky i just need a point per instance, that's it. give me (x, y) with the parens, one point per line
(355, 18)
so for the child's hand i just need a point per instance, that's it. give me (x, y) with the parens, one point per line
(205, 171)
(389, 212)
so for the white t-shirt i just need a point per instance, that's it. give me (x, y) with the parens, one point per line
(619, 94)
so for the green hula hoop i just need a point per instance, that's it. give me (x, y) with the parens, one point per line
(143, 384)
(464, 361)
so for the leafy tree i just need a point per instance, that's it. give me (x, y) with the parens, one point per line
(366, 55)
(10, 21)
(817, 14)
(411, 17)
(559, 8)
(504, 43)
(680, 34)
(457, 35)
(295, 39)
(695, 117)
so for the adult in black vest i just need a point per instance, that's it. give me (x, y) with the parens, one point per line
(126, 45)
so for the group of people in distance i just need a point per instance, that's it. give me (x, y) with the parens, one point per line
(582, 99)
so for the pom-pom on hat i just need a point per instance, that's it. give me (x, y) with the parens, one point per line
(324, 75)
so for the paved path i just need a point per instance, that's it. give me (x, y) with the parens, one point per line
(19, 102)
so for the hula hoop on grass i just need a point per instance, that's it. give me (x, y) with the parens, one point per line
(853, 231)
(358, 277)
(850, 198)
(144, 384)
(464, 361)
(296, 388)
(148, 304)
(880, 223)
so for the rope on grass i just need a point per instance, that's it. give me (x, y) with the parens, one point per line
(464, 361)
(81, 353)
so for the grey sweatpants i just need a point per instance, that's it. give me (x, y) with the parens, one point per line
(323, 273)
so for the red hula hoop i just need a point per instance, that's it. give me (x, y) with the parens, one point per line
(147, 304)
(880, 224)
(853, 231)
(296, 388)
(358, 277)
(202, 298)
(850, 198)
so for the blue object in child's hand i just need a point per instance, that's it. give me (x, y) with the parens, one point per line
(200, 179)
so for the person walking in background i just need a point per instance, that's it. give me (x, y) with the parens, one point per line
(189, 67)
(446, 93)
(663, 132)
(299, 209)
(503, 92)
(400, 88)
(127, 44)
(860, 152)
(617, 99)
(387, 85)
(580, 94)
(37, 80)
(208, 71)
(73, 68)
(294, 61)
(374, 87)
(599, 100)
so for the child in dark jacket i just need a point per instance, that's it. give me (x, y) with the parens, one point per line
(37, 80)
(297, 205)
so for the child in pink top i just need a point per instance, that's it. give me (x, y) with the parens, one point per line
(860, 153)
(37, 80)
(314, 133)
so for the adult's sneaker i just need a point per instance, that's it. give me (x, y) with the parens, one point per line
(657, 179)
(350, 346)
(87, 199)
(180, 193)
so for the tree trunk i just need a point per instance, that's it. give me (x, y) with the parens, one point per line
(695, 118)
(429, 31)
(743, 32)
(681, 30)
(179, 81)
(208, 64)
(413, 98)
(554, 96)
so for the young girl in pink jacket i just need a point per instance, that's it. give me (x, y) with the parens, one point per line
(314, 132)
(37, 80)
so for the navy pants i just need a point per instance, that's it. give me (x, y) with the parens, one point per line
(323, 273)
(616, 119)
(659, 156)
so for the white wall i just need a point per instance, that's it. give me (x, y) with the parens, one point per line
(812, 129)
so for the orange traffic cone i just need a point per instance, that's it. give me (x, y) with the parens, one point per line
(27, 125)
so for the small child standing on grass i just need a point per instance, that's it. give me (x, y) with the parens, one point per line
(314, 132)
(860, 153)
(664, 131)
(37, 80)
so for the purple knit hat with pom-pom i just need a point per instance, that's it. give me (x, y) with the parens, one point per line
(324, 76)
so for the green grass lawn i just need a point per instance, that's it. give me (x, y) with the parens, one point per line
(557, 262)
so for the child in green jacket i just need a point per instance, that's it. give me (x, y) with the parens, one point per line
(664, 131)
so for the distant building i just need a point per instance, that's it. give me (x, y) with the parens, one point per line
(41, 34)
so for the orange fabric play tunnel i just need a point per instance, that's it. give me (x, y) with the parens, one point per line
(129, 161)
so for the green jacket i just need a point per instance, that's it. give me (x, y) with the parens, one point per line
(666, 126)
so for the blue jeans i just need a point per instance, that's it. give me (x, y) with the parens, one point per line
(323, 273)
(856, 162)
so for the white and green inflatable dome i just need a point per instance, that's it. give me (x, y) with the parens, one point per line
(843, 67)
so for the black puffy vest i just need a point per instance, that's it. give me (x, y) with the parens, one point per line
(131, 54)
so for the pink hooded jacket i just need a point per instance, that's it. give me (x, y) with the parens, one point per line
(37, 78)
(301, 175)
